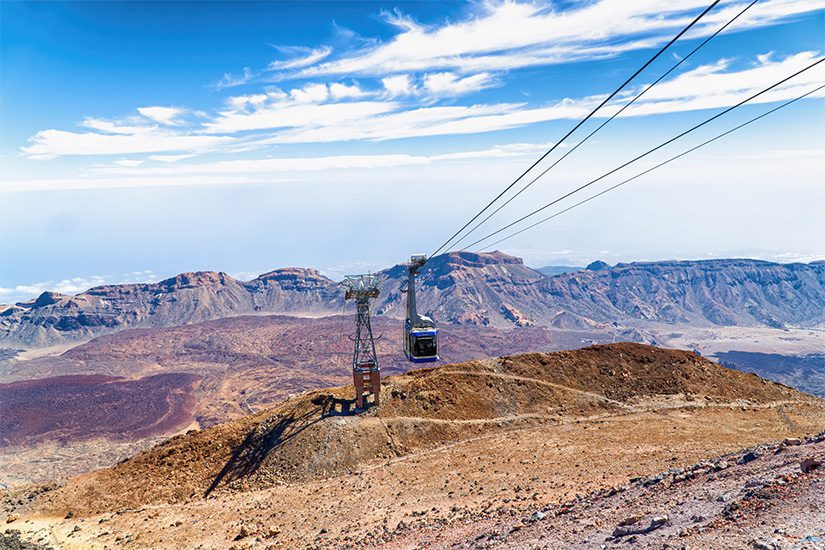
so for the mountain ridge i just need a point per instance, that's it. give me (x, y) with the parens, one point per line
(485, 289)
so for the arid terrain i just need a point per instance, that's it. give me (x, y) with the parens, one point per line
(108, 393)
(94, 386)
(76, 407)
(239, 365)
(457, 451)
(767, 496)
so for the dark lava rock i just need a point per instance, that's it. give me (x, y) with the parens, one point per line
(11, 540)
(810, 463)
(748, 457)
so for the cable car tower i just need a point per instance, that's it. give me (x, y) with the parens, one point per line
(420, 332)
(366, 375)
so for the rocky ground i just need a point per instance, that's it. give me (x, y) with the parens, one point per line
(454, 455)
(770, 496)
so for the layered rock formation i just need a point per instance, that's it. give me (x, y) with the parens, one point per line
(491, 289)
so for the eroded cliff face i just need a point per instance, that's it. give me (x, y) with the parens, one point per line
(468, 288)
(491, 289)
(499, 290)
(186, 298)
(714, 292)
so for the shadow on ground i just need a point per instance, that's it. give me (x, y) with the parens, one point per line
(274, 432)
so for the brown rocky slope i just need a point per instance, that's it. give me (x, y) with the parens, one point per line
(300, 441)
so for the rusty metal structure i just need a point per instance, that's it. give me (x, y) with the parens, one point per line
(366, 375)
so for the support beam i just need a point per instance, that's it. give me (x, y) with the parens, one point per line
(366, 375)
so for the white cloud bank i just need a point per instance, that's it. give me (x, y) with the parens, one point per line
(71, 286)
(321, 113)
(415, 78)
(509, 35)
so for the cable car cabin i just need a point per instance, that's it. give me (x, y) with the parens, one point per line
(421, 344)
(420, 332)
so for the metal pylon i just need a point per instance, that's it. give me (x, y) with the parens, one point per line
(365, 371)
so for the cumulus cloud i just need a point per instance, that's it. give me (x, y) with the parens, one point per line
(411, 84)
(398, 85)
(311, 93)
(342, 91)
(705, 87)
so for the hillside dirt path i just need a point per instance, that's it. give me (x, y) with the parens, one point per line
(596, 396)
(559, 420)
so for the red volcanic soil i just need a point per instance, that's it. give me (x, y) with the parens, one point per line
(250, 363)
(71, 408)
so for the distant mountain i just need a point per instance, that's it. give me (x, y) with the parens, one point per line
(491, 289)
(551, 270)
(710, 292)
(187, 298)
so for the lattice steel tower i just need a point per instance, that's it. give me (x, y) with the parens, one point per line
(366, 375)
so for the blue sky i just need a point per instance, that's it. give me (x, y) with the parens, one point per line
(138, 140)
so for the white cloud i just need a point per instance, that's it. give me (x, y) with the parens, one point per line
(66, 286)
(311, 93)
(73, 286)
(414, 71)
(312, 164)
(116, 127)
(230, 80)
(273, 170)
(169, 158)
(448, 83)
(292, 114)
(398, 85)
(129, 163)
(320, 113)
(342, 91)
(301, 57)
(715, 85)
(85, 182)
(508, 35)
(48, 144)
(163, 115)
(705, 87)
(447, 168)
